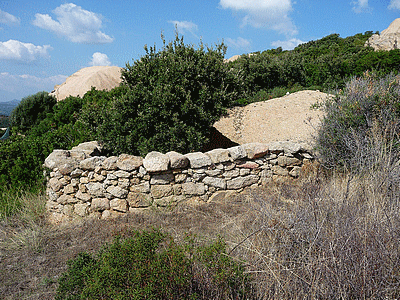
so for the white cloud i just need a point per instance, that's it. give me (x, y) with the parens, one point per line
(8, 19)
(360, 6)
(100, 59)
(239, 43)
(287, 45)
(185, 26)
(25, 52)
(273, 14)
(394, 4)
(75, 23)
(19, 86)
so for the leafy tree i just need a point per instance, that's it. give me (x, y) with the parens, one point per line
(31, 110)
(169, 101)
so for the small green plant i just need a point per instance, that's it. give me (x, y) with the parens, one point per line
(150, 265)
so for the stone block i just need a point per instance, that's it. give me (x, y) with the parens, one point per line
(85, 197)
(161, 191)
(81, 209)
(140, 188)
(139, 200)
(193, 189)
(110, 163)
(100, 204)
(117, 192)
(156, 162)
(284, 161)
(91, 163)
(286, 146)
(237, 152)
(241, 182)
(122, 174)
(177, 160)
(295, 172)
(96, 189)
(198, 160)
(66, 199)
(218, 183)
(278, 170)
(128, 162)
(218, 155)
(120, 205)
(54, 184)
(165, 178)
(255, 150)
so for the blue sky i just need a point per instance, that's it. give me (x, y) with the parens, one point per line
(43, 42)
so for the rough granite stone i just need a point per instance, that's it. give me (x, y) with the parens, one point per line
(160, 191)
(128, 162)
(177, 160)
(120, 205)
(218, 155)
(156, 162)
(198, 160)
(139, 199)
(241, 182)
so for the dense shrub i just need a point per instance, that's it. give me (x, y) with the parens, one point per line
(322, 64)
(31, 110)
(150, 265)
(367, 111)
(173, 97)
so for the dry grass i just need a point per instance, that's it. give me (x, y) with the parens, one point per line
(320, 238)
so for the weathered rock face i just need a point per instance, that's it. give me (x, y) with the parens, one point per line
(100, 77)
(81, 185)
(389, 38)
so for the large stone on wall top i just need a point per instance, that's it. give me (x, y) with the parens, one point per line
(92, 148)
(198, 160)
(156, 162)
(286, 146)
(255, 150)
(177, 160)
(58, 158)
(128, 162)
(91, 163)
(219, 155)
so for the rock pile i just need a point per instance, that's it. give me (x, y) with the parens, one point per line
(81, 183)
(389, 38)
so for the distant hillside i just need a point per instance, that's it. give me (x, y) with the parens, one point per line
(7, 107)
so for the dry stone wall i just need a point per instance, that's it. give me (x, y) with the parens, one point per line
(81, 183)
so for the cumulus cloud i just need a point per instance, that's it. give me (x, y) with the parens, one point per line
(100, 59)
(273, 14)
(360, 6)
(185, 26)
(75, 23)
(25, 52)
(239, 43)
(287, 45)
(394, 4)
(8, 19)
(18, 86)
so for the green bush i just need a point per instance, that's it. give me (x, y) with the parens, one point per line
(31, 110)
(150, 265)
(363, 114)
(170, 101)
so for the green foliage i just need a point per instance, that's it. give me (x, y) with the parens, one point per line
(22, 156)
(326, 63)
(32, 110)
(367, 110)
(150, 265)
(171, 99)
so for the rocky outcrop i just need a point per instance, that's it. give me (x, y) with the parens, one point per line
(80, 184)
(389, 38)
(100, 77)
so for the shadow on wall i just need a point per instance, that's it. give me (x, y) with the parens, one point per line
(218, 140)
